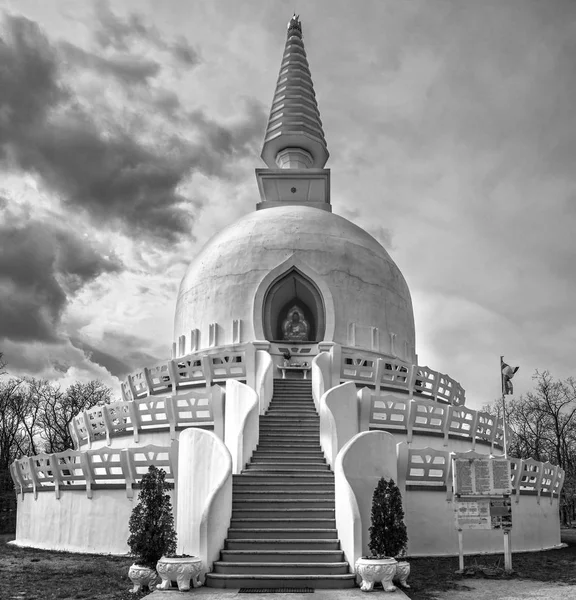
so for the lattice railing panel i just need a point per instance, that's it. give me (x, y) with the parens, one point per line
(140, 460)
(462, 421)
(229, 365)
(450, 390)
(427, 466)
(425, 381)
(485, 427)
(530, 475)
(548, 477)
(159, 379)
(153, 412)
(389, 411)
(395, 373)
(94, 419)
(358, 367)
(106, 465)
(187, 370)
(559, 482)
(428, 415)
(139, 384)
(119, 416)
(192, 407)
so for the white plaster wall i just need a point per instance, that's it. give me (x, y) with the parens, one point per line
(75, 523)
(241, 423)
(431, 531)
(366, 286)
(264, 379)
(338, 419)
(204, 494)
(359, 466)
(321, 376)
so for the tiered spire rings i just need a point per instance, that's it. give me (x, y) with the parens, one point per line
(294, 136)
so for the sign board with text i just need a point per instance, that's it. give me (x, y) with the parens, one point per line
(483, 513)
(482, 476)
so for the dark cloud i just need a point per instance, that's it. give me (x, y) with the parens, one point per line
(41, 266)
(127, 68)
(114, 32)
(110, 173)
(111, 363)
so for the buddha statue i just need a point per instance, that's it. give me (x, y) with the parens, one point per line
(295, 328)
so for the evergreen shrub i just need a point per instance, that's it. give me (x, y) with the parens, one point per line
(152, 533)
(388, 537)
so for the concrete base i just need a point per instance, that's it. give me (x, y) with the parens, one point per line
(217, 594)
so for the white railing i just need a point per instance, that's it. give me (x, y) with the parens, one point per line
(191, 408)
(399, 412)
(89, 469)
(200, 368)
(432, 468)
(371, 368)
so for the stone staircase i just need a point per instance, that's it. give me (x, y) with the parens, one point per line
(283, 532)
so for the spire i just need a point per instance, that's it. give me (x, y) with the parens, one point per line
(294, 136)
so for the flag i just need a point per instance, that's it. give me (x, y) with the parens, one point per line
(507, 373)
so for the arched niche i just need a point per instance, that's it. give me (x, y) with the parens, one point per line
(293, 283)
(293, 292)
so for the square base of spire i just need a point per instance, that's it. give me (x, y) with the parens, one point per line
(300, 187)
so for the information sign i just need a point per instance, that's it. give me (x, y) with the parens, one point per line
(483, 513)
(482, 477)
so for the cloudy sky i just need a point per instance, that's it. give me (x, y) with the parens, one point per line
(130, 130)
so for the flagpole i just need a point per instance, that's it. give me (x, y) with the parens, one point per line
(503, 409)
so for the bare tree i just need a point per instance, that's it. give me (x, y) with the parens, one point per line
(543, 424)
(58, 408)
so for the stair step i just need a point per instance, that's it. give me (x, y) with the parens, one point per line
(272, 513)
(257, 459)
(286, 533)
(278, 467)
(289, 487)
(303, 445)
(292, 435)
(271, 544)
(263, 495)
(283, 503)
(270, 455)
(277, 568)
(289, 556)
(321, 582)
(261, 476)
(283, 523)
(288, 450)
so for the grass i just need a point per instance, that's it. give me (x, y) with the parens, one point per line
(30, 574)
(431, 576)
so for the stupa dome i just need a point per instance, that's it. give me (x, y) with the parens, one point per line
(336, 269)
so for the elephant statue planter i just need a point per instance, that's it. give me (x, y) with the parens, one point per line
(179, 569)
(142, 577)
(372, 570)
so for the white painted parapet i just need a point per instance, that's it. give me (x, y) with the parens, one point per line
(264, 379)
(241, 423)
(359, 466)
(198, 407)
(321, 377)
(204, 495)
(338, 419)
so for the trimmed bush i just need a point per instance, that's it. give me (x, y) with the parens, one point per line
(388, 537)
(152, 532)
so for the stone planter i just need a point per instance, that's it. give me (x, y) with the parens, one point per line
(181, 570)
(141, 577)
(402, 573)
(372, 570)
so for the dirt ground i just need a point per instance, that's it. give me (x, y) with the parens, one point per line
(29, 574)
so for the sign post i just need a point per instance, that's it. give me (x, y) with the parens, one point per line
(482, 488)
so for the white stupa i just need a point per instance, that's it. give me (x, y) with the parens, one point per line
(293, 386)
